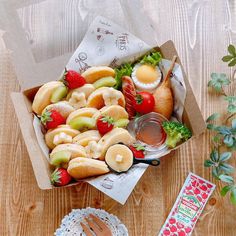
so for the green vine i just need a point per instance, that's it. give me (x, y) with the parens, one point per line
(224, 134)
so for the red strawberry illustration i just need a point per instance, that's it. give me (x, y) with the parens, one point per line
(173, 228)
(201, 181)
(203, 187)
(204, 196)
(73, 79)
(179, 225)
(172, 221)
(209, 185)
(194, 183)
(60, 177)
(51, 119)
(196, 191)
(189, 187)
(181, 233)
(199, 198)
(166, 232)
(188, 230)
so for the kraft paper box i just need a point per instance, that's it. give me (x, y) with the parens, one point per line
(32, 74)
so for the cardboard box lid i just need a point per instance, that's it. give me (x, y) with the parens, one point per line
(32, 72)
(29, 72)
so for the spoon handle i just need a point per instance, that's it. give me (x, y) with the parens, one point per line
(152, 162)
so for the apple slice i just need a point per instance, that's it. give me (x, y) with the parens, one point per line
(82, 123)
(58, 94)
(105, 82)
(57, 158)
(121, 123)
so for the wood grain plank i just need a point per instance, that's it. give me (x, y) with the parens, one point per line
(201, 31)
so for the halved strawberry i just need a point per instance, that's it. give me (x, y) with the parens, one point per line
(52, 118)
(72, 79)
(105, 124)
(138, 150)
(60, 177)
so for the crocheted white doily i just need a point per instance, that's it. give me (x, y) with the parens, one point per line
(70, 224)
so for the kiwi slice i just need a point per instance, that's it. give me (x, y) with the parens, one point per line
(82, 123)
(105, 82)
(58, 94)
(121, 123)
(57, 158)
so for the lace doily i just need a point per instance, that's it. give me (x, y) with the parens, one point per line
(70, 224)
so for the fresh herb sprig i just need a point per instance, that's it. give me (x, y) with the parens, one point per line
(224, 137)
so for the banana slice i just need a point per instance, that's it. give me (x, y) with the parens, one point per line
(80, 168)
(62, 153)
(43, 96)
(63, 107)
(87, 136)
(119, 158)
(116, 135)
(78, 97)
(105, 97)
(83, 112)
(97, 72)
(115, 111)
(93, 150)
(62, 134)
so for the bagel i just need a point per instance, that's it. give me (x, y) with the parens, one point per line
(95, 73)
(43, 96)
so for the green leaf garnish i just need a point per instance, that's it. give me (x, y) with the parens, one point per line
(125, 69)
(152, 59)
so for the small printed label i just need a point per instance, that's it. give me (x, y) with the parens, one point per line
(188, 206)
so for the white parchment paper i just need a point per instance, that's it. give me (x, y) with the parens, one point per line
(106, 43)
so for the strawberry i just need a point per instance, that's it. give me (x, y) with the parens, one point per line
(73, 79)
(138, 150)
(52, 118)
(105, 124)
(60, 177)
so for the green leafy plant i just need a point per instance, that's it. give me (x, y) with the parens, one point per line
(224, 138)
(231, 58)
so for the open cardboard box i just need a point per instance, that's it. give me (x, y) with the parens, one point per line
(32, 73)
(22, 101)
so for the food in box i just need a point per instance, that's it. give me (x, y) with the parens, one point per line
(108, 119)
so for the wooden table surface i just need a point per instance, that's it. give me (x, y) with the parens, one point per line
(201, 31)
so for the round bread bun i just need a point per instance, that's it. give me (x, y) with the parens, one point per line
(87, 136)
(75, 149)
(49, 136)
(115, 111)
(85, 112)
(80, 168)
(95, 73)
(63, 107)
(96, 98)
(43, 96)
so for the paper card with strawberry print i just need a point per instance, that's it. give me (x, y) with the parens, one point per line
(188, 206)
